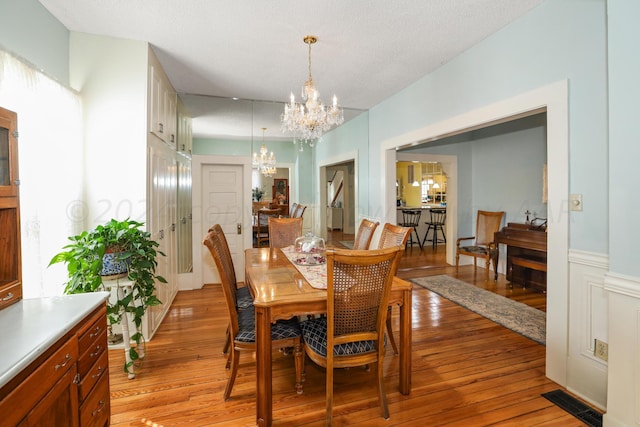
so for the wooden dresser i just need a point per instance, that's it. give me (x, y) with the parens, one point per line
(54, 366)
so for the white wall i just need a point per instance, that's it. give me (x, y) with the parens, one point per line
(111, 74)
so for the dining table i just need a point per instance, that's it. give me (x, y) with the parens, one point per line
(282, 289)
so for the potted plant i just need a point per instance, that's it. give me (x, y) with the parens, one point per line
(257, 194)
(104, 252)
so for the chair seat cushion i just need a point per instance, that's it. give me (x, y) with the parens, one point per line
(314, 333)
(282, 329)
(244, 299)
(481, 250)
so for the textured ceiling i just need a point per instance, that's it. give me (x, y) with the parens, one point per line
(366, 51)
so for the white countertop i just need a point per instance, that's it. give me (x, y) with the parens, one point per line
(430, 206)
(30, 326)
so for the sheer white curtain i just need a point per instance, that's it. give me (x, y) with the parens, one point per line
(51, 168)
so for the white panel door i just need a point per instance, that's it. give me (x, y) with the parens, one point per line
(222, 204)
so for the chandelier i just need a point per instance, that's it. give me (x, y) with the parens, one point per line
(266, 163)
(309, 119)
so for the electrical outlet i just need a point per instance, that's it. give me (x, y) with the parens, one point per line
(601, 350)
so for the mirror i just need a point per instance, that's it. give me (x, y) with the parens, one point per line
(233, 127)
(220, 118)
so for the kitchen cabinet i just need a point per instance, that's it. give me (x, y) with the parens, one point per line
(10, 253)
(163, 102)
(54, 369)
(185, 130)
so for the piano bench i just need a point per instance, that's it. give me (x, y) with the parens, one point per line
(529, 263)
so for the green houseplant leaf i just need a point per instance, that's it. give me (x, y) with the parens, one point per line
(84, 259)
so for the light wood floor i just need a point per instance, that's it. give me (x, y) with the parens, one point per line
(467, 370)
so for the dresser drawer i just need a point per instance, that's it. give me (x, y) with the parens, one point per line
(96, 328)
(93, 375)
(10, 294)
(95, 411)
(92, 354)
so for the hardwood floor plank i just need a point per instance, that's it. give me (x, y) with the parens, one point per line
(467, 370)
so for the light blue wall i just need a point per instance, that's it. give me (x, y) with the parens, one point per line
(624, 136)
(29, 30)
(556, 41)
(352, 136)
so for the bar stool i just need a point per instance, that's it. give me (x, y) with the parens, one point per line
(411, 218)
(438, 218)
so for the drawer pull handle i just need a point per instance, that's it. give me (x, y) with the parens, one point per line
(99, 409)
(8, 297)
(97, 375)
(95, 353)
(67, 359)
(96, 332)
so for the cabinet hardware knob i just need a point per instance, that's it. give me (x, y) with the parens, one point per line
(96, 332)
(95, 353)
(67, 359)
(98, 373)
(99, 409)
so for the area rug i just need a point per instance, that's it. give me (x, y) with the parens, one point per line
(346, 243)
(514, 315)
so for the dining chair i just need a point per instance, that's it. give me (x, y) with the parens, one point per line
(352, 332)
(244, 299)
(283, 232)
(299, 211)
(262, 230)
(292, 209)
(284, 333)
(487, 223)
(393, 235)
(364, 234)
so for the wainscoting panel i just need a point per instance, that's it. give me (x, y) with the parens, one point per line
(588, 320)
(623, 392)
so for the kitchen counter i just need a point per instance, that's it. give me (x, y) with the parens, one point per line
(430, 206)
(29, 327)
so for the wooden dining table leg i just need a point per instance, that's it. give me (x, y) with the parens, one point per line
(405, 343)
(264, 414)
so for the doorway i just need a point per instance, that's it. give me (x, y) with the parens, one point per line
(348, 165)
(554, 100)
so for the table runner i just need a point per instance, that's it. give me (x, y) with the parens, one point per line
(316, 275)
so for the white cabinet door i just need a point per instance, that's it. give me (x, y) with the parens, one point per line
(162, 224)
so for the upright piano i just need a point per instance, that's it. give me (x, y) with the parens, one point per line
(526, 254)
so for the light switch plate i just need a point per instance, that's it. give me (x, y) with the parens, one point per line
(575, 201)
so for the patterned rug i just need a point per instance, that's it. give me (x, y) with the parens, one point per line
(514, 315)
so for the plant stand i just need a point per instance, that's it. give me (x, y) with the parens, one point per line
(120, 285)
